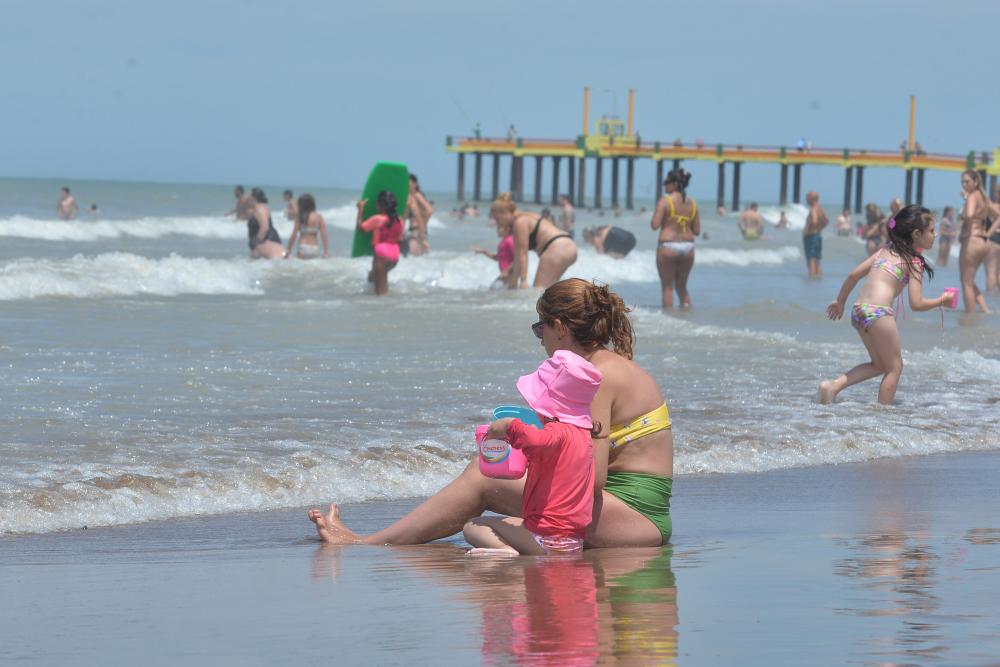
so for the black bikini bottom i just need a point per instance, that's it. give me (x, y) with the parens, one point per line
(554, 238)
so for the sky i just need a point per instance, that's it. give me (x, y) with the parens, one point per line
(312, 92)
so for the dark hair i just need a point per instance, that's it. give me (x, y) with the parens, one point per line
(239, 189)
(753, 206)
(65, 189)
(947, 210)
(387, 205)
(901, 227)
(594, 314)
(287, 193)
(307, 205)
(258, 196)
(680, 178)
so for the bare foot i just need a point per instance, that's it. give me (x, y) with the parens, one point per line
(826, 392)
(331, 529)
(484, 552)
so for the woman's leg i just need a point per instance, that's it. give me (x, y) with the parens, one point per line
(969, 258)
(666, 261)
(557, 258)
(886, 345)
(615, 524)
(495, 534)
(441, 515)
(992, 263)
(683, 268)
(829, 389)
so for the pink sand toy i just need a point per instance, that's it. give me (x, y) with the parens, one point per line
(497, 458)
(953, 291)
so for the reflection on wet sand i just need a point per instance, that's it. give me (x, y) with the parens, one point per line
(897, 564)
(609, 606)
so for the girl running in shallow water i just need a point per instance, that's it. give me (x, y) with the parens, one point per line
(558, 499)
(887, 272)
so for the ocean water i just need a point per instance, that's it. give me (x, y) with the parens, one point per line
(149, 370)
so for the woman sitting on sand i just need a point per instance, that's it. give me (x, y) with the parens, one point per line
(634, 458)
(556, 249)
(676, 217)
(264, 239)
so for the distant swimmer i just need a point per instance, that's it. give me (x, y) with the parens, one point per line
(812, 235)
(418, 213)
(610, 240)
(387, 232)
(874, 230)
(946, 235)
(898, 266)
(67, 208)
(567, 216)
(782, 221)
(504, 256)
(309, 230)
(679, 223)
(844, 227)
(93, 210)
(555, 248)
(291, 206)
(263, 237)
(245, 204)
(751, 223)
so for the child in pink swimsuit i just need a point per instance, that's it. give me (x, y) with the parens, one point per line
(558, 497)
(504, 256)
(387, 231)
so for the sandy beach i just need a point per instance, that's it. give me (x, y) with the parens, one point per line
(886, 562)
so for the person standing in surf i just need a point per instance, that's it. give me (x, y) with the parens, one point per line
(309, 230)
(812, 235)
(263, 237)
(899, 264)
(387, 231)
(556, 249)
(679, 223)
(974, 238)
(418, 211)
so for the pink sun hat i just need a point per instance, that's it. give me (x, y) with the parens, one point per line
(562, 388)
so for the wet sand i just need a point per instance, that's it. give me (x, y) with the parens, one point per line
(893, 561)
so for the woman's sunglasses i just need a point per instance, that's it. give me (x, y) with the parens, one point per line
(536, 329)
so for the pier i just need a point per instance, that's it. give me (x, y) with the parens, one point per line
(612, 139)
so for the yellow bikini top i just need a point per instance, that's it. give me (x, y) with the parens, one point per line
(682, 220)
(651, 422)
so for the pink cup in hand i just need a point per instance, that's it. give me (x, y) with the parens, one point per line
(497, 459)
(953, 291)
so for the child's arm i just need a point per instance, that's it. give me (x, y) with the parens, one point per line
(361, 208)
(291, 240)
(917, 301)
(522, 436)
(521, 235)
(483, 251)
(836, 309)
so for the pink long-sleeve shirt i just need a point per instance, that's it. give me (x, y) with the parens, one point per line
(558, 496)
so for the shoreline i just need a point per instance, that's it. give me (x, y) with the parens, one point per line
(890, 561)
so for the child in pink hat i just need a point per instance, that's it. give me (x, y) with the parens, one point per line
(558, 495)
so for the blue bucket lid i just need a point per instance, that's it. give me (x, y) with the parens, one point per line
(527, 415)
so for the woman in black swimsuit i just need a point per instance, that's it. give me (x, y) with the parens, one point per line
(263, 238)
(556, 250)
(610, 240)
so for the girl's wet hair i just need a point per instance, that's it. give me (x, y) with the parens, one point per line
(594, 314)
(680, 178)
(901, 227)
(307, 206)
(387, 205)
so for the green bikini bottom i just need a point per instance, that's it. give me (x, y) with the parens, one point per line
(649, 495)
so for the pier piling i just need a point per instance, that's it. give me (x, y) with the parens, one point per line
(598, 177)
(859, 186)
(736, 185)
(783, 197)
(477, 194)
(720, 198)
(571, 180)
(659, 179)
(908, 198)
(614, 182)
(496, 175)
(677, 164)
(993, 184)
(797, 184)
(629, 183)
(460, 190)
(920, 187)
(581, 180)
(538, 178)
(848, 180)
(555, 178)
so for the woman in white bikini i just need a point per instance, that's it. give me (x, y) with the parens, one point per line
(310, 228)
(677, 219)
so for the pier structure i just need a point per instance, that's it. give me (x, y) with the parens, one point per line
(614, 140)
